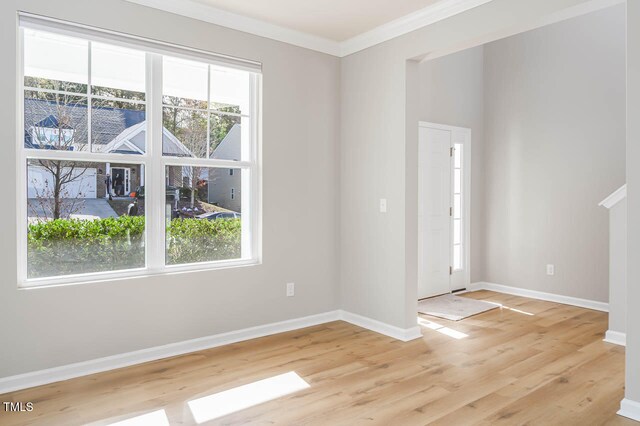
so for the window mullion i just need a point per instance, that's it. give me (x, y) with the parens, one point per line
(208, 111)
(89, 100)
(155, 203)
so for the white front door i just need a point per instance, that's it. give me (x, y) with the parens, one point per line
(125, 174)
(434, 212)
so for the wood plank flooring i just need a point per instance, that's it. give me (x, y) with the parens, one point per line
(528, 363)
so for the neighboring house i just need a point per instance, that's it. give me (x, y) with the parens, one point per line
(225, 184)
(114, 130)
(50, 133)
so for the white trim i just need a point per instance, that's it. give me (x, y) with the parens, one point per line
(429, 15)
(613, 199)
(79, 369)
(615, 337)
(630, 409)
(70, 371)
(533, 294)
(402, 334)
(214, 15)
(411, 22)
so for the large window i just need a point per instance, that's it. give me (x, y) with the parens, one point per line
(136, 158)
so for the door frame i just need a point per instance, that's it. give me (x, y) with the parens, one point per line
(127, 177)
(459, 135)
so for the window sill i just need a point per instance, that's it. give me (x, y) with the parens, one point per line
(101, 277)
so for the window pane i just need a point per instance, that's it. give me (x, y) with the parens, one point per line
(184, 133)
(457, 231)
(118, 127)
(457, 257)
(228, 138)
(457, 181)
(57, 62)
(229, 90)
(457, 156)
(55, 121)
(118, 72)
(204, 222)
(184, 83)
(78, 229)
(456, 207)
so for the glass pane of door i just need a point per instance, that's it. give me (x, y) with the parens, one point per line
(458, 236)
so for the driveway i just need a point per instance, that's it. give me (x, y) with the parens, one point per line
(89, 208)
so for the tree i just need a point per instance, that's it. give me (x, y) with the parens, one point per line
(57, 121)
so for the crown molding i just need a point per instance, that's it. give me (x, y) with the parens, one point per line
(421, 18)
(429, 15)
(213, 15)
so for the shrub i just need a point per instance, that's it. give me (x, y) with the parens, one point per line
(196, 240)
(88, 230)
(70, 246)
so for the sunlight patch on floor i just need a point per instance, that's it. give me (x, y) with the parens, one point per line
(508, 308)
(230, 401)
(442, 329)
(155, 418)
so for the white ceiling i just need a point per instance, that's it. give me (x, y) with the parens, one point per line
(336, 20)
(336, 27)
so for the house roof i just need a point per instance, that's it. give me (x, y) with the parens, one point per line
(51, 122)
(132, 141)
(107, 122)
(116, 130)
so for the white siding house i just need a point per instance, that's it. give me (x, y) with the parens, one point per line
(224, 188)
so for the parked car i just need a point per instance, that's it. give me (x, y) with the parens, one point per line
(219, 215)
(170, 192)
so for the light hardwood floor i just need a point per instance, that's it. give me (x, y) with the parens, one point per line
(531, 362)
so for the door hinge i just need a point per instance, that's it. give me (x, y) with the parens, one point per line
(451, 151)
(450, 270)
(450, 211)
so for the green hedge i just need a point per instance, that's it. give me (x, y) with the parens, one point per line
(197, 240)
(68, 246)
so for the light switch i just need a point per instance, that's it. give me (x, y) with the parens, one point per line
(383, 205)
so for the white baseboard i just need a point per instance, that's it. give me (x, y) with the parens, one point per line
(403, 334)
(630, 409)
(615, 337)
(70, 371)
(550, 297)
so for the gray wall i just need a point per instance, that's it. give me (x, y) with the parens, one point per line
(378, 153)
(540, 104)
(554, 148)
(54, 326)
(632, 384)
(618, 267)
(452, 92)
(360, 101)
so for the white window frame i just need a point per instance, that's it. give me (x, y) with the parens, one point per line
(152, 160)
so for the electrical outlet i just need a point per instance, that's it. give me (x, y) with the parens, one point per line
(551, 269)
(383, 205)
(291, 289)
